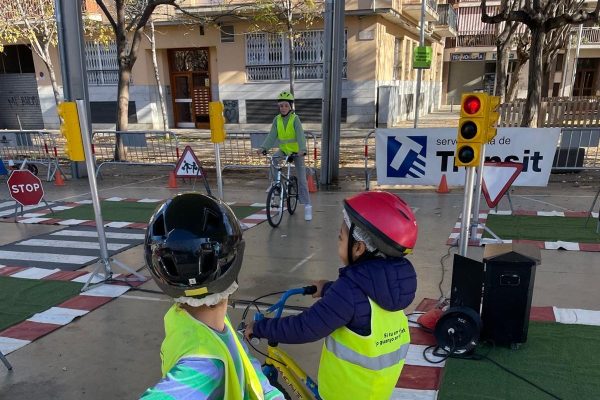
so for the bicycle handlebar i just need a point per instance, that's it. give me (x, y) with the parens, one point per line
(278, 307)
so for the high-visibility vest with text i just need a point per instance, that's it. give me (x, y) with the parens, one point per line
(365, 367)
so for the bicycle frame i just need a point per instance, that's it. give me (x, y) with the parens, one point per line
(303, 385)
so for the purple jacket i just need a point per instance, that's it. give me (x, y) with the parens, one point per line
(391, 283)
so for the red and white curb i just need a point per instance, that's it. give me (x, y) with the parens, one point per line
(40, 324)
(40, 216)
(557, 245)
(420, 379)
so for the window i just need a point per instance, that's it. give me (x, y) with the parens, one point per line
(102, 64)
(16, 59)
(267, 56)
(397, 72)
(227, 34)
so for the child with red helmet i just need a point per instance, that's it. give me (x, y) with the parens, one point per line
(360, 314)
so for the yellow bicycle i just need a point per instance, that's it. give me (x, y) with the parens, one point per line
(277, 361)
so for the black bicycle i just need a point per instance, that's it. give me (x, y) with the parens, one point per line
(284, 190)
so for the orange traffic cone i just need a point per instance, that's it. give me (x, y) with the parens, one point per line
(58, 179)
(443, 188)
(312, 185)
(172, 180)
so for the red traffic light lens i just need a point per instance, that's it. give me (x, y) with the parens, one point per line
(468, 130)
(471, 105)
(466, 154)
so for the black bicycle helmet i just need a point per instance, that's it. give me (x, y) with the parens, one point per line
(194, 246)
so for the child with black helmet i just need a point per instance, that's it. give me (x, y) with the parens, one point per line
(360, 314)
(288, 129)
(194, 250)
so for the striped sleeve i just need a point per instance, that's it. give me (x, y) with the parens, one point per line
(198, 379)
(269, 391)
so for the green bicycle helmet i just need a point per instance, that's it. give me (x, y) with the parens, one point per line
(285, 96)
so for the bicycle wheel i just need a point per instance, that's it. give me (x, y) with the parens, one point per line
(292, 195)
(274, 206)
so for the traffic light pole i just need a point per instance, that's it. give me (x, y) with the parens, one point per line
(477, 199)
(105, 260)
(465, 220)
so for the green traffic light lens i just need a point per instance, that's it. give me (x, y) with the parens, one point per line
(466, 154)
(468, 130)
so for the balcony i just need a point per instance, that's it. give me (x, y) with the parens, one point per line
(472, 39)
(446, 26)
(412, 8)
(590, 37)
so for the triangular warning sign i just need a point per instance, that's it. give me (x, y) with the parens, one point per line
(188, 164)
(497, 178)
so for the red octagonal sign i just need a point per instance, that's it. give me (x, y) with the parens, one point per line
(25, 188)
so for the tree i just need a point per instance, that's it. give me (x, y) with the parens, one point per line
(34, 22)
(523, 42)
(285, 17)
(128, 18)
(163, 106)
(541, 17)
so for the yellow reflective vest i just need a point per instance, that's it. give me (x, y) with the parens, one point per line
(365, 367)
(188, 337)
(287, 135)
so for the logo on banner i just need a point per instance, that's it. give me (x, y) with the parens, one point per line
(406, 156)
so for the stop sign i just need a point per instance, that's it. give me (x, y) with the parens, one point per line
(25, 188)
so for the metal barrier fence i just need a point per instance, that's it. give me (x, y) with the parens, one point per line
(369, 157)
(38, 147)
(140, 148)
(238, 150)
(578, 149)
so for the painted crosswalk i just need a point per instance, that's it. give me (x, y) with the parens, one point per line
(67, 249)
(7, 208)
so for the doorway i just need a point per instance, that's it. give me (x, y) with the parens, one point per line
(190, 87)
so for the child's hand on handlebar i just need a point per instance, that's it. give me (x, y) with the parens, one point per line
(248, 332)
(319, 284)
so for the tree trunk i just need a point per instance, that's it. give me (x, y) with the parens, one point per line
(122, 109)
(502, 60)
(514, 80)
(534, 98)
(292, 59)
(161, 97)
(55, 90)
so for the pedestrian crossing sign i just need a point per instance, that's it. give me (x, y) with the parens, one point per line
(188, 164)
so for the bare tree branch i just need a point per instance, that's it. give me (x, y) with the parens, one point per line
(107, 14)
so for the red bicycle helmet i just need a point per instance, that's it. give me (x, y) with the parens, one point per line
(387, 218)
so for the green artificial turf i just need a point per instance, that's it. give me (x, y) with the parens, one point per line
(547, 229)
(21, 298)
(562, 359)
(127, 211)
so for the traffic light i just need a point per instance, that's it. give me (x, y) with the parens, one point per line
(471, 129)
(69, 127)
(217, 122)
(492, 117)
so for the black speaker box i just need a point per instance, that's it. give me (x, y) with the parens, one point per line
(467, 283)
(508, 291)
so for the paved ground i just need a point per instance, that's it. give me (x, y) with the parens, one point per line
(113, 353)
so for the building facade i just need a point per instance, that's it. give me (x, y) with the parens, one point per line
(246, 70)
(470, 58)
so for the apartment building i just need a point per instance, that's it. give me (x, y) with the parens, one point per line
(246, 70)
(470, 58)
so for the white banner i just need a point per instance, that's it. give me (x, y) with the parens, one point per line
(420, 156)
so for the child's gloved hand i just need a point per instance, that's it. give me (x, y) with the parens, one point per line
(248, 332)
(319, 284)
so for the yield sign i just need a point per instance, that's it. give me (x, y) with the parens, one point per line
(188, 164)
(497, 178)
